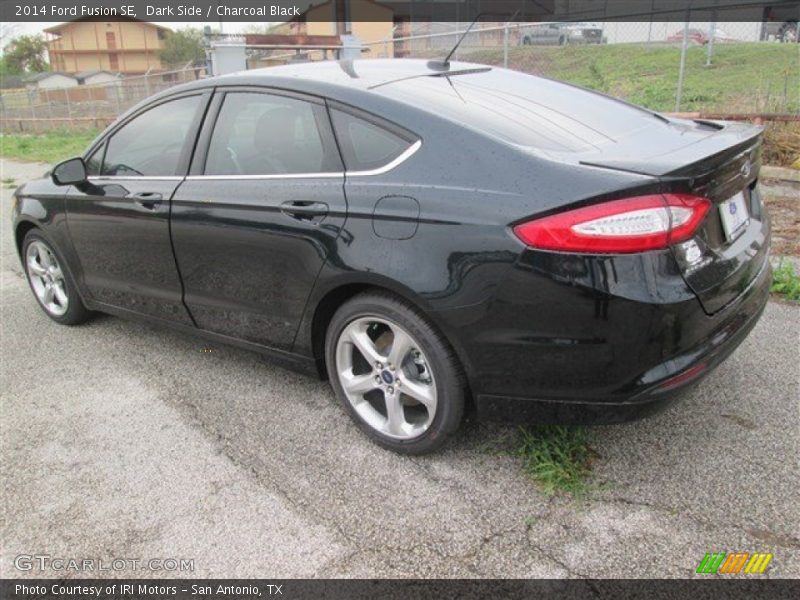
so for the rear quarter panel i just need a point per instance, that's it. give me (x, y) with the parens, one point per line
(469, 189)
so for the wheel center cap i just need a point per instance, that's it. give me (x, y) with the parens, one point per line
(387, 377)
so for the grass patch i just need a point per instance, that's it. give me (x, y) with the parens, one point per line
(557, 458)
(786, 282)
(51, 147)
(744, 77)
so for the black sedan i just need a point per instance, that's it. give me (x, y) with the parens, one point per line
(429, 236)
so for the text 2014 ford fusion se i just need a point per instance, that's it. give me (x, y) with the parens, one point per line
(427, 235)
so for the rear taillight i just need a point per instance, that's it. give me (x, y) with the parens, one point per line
(619, 226)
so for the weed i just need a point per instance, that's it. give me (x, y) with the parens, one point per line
(556, 457)
(785, 281)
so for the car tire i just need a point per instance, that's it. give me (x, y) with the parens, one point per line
(412, 405)
(51, 282)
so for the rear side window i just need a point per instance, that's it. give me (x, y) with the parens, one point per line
(365, 144)
(268, 134)
(151, 144)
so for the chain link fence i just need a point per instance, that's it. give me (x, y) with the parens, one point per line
(35, 109)
(719, 68)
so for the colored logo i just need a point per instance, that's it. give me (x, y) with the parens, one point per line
(736, 562)
(733, 208)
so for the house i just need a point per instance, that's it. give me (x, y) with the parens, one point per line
(96, 77)
(130, 47)
(375, 24)
(50, 80)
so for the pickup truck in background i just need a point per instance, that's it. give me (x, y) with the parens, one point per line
(561, 34)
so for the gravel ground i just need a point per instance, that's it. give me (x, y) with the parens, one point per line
(121, 440)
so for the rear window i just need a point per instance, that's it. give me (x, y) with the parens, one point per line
(368, 144)
(524, 110)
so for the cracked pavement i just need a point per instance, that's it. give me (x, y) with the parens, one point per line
(122, 440)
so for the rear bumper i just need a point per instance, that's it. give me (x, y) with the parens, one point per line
(598, 350)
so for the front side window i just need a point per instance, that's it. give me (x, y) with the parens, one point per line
(95, 161)
(366, 145)
(151, 144)
(266, 134)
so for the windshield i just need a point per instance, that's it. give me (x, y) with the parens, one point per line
(524, 110)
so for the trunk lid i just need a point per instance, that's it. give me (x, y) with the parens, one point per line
(730, 248)
(721, 162)
(675, 146)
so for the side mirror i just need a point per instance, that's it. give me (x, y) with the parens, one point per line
(70, 172)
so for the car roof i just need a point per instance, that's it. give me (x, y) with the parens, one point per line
(359, 73)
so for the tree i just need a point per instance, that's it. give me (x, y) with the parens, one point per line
(183, 46)
(26, 54)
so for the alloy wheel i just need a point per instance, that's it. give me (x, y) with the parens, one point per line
(386, 377)
(47, 278)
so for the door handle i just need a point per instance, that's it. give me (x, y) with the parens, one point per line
(303, 210)
(147, 200)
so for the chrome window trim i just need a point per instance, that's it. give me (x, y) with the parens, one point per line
(405, 155)
(137, 177)
(288, 176)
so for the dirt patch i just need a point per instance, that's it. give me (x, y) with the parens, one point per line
(785, 213)
(740, 421)
(781, 144)
(774, 539)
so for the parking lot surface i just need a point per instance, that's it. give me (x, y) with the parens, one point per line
(122, 440)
